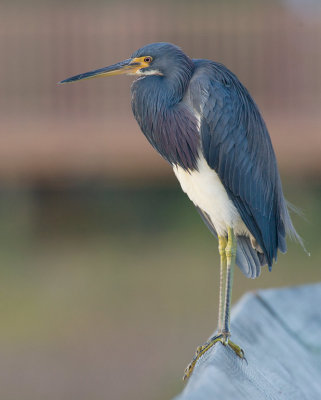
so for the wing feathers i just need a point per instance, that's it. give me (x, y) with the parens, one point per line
(236, 144)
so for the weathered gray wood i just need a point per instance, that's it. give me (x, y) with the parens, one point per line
(280, 333)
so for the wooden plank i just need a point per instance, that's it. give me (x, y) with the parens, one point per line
(280, 333)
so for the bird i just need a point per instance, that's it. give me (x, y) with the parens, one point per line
(202, 120)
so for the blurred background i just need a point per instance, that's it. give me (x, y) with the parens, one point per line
(109, 279)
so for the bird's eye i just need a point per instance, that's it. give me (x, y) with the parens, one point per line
(148, 59)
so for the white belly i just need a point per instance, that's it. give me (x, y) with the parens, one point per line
(205, 190)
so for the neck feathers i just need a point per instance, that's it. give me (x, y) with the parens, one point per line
(179, 76)
(164, 118)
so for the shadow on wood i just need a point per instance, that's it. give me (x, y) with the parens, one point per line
(280, 333)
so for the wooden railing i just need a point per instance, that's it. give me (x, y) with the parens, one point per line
(280, 333)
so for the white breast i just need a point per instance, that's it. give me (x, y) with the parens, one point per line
(205, 190)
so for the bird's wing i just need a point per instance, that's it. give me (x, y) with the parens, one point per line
(236, 144)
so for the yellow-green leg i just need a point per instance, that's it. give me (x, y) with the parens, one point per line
(230, 252)
(222, 243)
(227, 250)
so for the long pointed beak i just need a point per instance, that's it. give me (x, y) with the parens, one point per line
(129, 66)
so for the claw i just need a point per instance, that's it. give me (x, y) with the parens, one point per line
(199, 352)
(189, 369)
(237, 349)
(224, 339)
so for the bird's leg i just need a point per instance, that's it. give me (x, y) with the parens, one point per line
(222, 242)
(227, 250)
(230, 251)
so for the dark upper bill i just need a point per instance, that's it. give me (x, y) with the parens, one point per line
(129, 66)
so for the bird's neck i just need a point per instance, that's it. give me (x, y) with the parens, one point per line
(177, 81)
(171, 86)
(166, 121)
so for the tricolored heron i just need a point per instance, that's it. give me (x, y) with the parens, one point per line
(203, 121)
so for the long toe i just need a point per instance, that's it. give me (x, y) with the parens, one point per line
(199, 353)
(237, 349)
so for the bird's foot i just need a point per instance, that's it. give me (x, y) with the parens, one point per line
(221, 337)
(237, 349)
(200, 351)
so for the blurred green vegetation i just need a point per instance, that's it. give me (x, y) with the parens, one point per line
(107, 284)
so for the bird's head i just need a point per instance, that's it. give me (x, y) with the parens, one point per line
(153, 59)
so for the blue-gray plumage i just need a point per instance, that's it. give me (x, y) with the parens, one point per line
(203, 121)
(232, 136)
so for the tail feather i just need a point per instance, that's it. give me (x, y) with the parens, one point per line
(248, 259)
(289, 228)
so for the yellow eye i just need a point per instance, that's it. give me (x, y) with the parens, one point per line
(148, 59)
